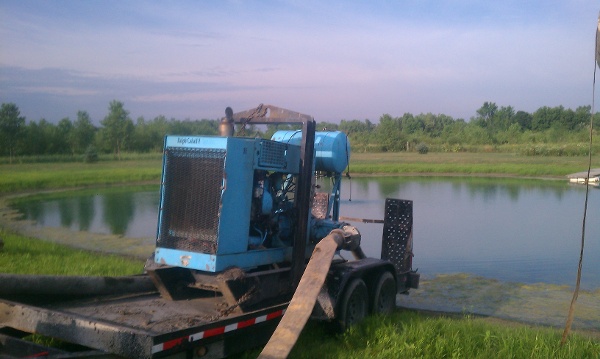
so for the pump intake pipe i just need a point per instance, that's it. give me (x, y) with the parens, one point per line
(285, 336)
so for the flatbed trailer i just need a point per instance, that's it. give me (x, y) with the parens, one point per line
(142, 325)
(148, 325)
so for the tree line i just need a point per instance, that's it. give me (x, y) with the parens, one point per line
(491, 126)
(117, 133)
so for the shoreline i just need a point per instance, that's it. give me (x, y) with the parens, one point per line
(457, 174)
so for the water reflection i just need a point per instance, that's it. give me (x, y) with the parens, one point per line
(118, 211)
(86, 212)
(514, 230)
(127, 212)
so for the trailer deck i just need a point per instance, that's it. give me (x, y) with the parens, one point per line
(137, 326)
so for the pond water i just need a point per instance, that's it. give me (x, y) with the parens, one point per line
(525, 231)
(513, 230)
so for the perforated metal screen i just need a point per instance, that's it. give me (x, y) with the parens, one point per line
(397, 234)
(272, 154)
(191, 199)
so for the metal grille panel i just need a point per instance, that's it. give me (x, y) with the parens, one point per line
(191, 199)
(272, 154)
(397, 234)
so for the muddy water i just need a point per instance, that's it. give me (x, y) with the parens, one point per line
(503, 248)
(540, 303)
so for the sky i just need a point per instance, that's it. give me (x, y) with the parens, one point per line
(332, 60)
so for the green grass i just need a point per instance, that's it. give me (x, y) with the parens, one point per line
(36, 176)
(468, 164)
(24, 255)
(409, 334)
(102, 157)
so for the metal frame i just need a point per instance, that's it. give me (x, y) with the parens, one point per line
(268, 114)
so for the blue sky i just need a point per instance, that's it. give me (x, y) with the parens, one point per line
(331, 59)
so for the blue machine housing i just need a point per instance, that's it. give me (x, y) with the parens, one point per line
(332, 148)
(332, 156)
(209, 192)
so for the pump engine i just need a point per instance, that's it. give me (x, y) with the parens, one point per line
(231, 201)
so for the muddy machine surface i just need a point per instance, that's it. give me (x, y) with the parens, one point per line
(241, 227)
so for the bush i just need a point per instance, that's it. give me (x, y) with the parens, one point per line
(580, 149)
(422, 148)
(91, 154)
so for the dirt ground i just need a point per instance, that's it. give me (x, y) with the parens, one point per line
(533, 304)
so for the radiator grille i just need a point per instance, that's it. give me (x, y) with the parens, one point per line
(272, 154)
(191, 199)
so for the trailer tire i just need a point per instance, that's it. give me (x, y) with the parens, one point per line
(354, 305)
(383, 300)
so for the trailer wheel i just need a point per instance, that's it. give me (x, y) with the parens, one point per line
(354, 304)
(384, 295)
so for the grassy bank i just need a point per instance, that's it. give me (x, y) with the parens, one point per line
(468, 164)
(409, 334)
(24, 255)
(47, 175)
(37, 176)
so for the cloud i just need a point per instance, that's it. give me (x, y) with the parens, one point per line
(333, 60)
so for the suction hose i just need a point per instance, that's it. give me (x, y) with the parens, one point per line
(301, 306)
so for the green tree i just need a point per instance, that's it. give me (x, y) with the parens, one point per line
(486, 113)
(503, 118)
(582, 117)
(476, 135)
(11, 128)
(355, 127)
(61, 143)
(388, 135)
(412, 124)
(434, 124)
(523, 119)
(82, 133)
(117, 127)
(37, 136)
(453, 133)
(544, 117)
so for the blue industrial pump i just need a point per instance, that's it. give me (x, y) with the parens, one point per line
(241, 216)
(230, 201)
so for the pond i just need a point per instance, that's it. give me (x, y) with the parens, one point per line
(502, 247)
(513, 230)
